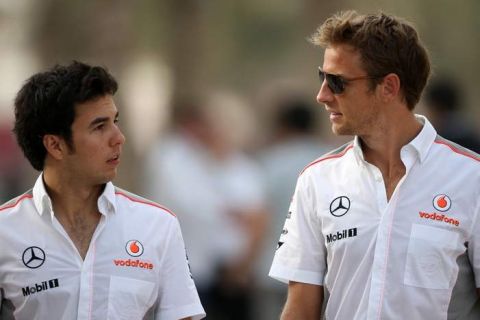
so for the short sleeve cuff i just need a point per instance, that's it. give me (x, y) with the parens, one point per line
(285, 275)
(195, 311)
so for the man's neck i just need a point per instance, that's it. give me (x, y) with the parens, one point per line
(382, 148)
(70, 198)
(75, 207)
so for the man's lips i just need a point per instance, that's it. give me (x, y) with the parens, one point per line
(115, 159)
(335, 115)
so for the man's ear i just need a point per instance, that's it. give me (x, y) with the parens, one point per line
(55, 145)
(390, 87)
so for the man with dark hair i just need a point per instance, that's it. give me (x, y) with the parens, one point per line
(443, 101)
(76, 246)
(386, 226)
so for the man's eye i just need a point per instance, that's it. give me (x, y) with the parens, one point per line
(99, 127)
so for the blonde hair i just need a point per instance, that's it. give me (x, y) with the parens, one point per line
(387, 44)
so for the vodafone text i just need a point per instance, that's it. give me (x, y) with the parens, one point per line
(133, 263)
(439, 217)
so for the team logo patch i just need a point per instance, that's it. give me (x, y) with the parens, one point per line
(133, 263)
(439, 217)
(134, 248)
(339, 206)
(33, 257)
(39, 287)
(282, 235)
(188, 264)
(442, 202)
(344, 234)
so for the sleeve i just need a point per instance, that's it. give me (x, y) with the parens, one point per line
(178, 294)
(474, 246)
(301, 252)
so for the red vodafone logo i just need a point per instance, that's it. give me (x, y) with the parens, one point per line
(442, 202)
(134, 248)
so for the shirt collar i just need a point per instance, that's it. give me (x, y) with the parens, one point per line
(357, 150)
(420, 144)
(424, 140)
(106, 202)
(40, 197)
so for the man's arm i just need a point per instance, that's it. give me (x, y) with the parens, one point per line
(177, 297)
(304, 302)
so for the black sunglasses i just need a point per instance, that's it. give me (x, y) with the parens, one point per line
(337, 83)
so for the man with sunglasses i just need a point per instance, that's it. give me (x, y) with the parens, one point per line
(386, 226)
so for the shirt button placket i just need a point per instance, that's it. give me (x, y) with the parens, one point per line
(85, 296)
(86, 276)
(380, 247)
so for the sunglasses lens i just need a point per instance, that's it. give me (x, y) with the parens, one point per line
(321, 75)
(335, 83)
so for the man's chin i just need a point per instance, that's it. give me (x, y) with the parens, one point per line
(341, 131)
(108, 178)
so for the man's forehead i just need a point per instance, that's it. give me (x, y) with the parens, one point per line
(103, 106)
(99, 103)
(344, 57)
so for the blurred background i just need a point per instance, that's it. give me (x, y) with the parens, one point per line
(217, 101)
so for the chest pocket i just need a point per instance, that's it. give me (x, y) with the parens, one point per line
(431, 257)
(129, 299)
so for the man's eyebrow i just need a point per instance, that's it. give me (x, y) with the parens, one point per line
(101, 120)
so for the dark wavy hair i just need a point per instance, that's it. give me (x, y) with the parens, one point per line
(46, 105)
(387, 44)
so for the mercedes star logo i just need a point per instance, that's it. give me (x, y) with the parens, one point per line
(33, 257)
(339, 206)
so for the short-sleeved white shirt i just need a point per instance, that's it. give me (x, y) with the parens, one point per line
(415, 256)
(135, 267)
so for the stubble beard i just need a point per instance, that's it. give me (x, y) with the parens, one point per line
(364, 126)
(344, 129)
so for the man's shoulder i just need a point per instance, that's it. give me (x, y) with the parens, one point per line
(142, 204)
(452, 150)
(335, 154)
(15, 202)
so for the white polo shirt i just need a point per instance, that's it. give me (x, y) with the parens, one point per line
(135, 267)
(415, 256)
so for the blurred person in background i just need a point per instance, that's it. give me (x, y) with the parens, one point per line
(386, 226)
(75, 246)
(198, 171)
(294, 144)
(444, 102)
(11, 164)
